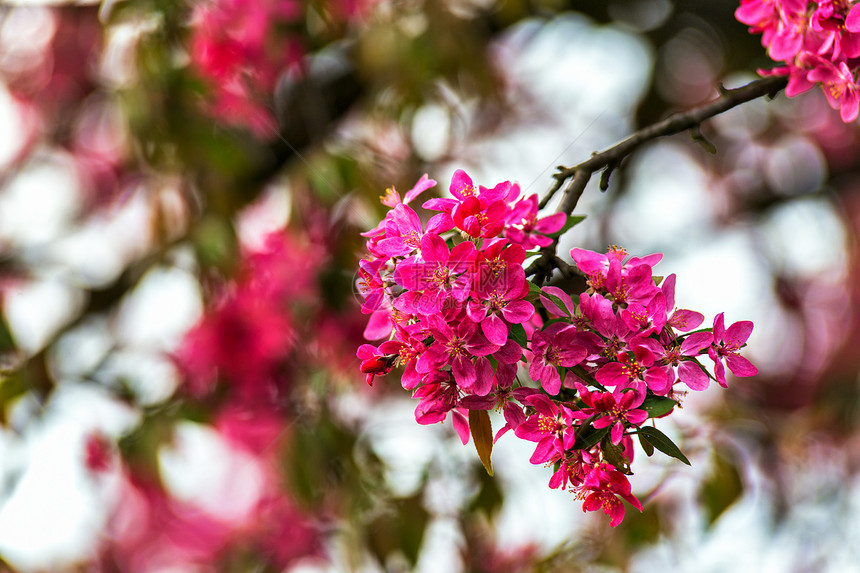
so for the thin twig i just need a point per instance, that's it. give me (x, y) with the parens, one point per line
(610, 159)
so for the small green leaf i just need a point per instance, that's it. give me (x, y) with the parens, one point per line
(615, 456)
(721, 489)
(518, 334)
(657, 406)
(482, 434)
(646, 445)
(662, 442)
(534, 291)
(589, 437)
(400, 528)
(555, 300)
(572, 221)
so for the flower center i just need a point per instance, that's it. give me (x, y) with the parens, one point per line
(496, 302)
(413, 239)
(457, 347)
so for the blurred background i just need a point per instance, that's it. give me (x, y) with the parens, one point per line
(182, 188)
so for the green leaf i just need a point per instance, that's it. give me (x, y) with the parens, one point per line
(482, 434)
(646, 445)
(399, 528)
(489, 497)
(555, 300)
(518, 334)
(534, 292)
(657, 406)
(589, 437)
(662, 442)
(721, 489)
(572, 221)
(615, 456)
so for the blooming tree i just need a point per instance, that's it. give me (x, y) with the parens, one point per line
(233, 152)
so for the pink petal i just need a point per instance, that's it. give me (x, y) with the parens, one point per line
(611, 374)
(423, 184)
(636, 416)
(551, 224)
(738, 333)
(692, 375)
(461, 185)
(695, 343)
(509, 353)
(850, 106)
(550, 380)
(495, 329)
(686, 320)
(543, 451)
(740, 366)
(366, 351)
(379, 326)
(719, 326)
(658, 381)
(461, 425)
(616, 432)
(464, 372)
(852, 21)
(434, 249)
(543, 405)
(440, 223)
(483, 377)
(518, 311)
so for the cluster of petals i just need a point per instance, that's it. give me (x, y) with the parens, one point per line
(451, 304)
(818, 42)
(238, 49)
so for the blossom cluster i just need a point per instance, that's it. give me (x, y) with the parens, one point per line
(579, 378)
(819, 43)
(263, 333)
(241, 49)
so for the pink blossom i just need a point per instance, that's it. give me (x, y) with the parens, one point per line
(242, 325)
(498, 302)
(392, 197)
(727, 342)
(614, 409)
(457, 346)
(690, 372)
(526, 229)
(374, 362)
(407, 348)
(232, 49)
(606, 484)
(554, 347)
(551, 427)
(636, 369)
(839, 87)
(440, 273)
(438, 396)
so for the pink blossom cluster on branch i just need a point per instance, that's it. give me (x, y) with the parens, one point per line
(241, 48)
(452, 300)
(819, 42)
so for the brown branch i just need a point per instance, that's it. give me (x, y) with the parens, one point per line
(609, 159)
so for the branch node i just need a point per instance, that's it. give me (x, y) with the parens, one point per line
(607, 173)
(696, 134)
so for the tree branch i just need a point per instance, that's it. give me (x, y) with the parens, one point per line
(609, 159)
